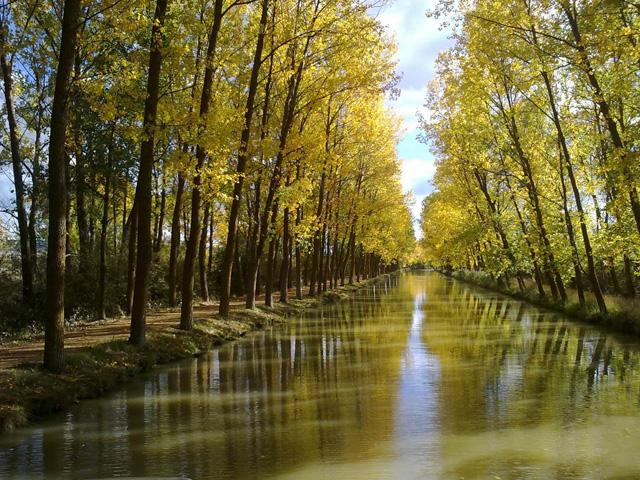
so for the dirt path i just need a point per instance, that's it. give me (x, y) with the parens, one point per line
(85, 335)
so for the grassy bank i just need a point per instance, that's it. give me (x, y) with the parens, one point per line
(623, 314)
(28, 393)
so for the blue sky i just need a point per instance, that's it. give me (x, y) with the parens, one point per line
(419, 41)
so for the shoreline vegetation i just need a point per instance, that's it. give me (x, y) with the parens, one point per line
(166, 153)
(622, 317)
(29, 393)
(536, 175)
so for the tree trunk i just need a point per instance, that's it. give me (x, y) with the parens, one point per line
(202, 256)
(186, 311)
(271, 260)
(629, 277)
(175, 241)
(603, 105)
(227, 259)
(102, 274)
(555, 280)
(54, 323)
(298, 257)
(163, 200)
(131, 257)
(614, 276)
(591, 269)
(144, 247)
(572, 240)
(16, 161)
(35, 175)
(284, 266)
(210, 259)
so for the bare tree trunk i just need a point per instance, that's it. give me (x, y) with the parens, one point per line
(102, 274)
(131, 256)
(35, 174)
(163, 200)
(16, 161)
(202, 256)
(284, 266)
(271, 261)
(56, 261)
(186, 311)
(227, 260)
(144, 247)
(175, 241)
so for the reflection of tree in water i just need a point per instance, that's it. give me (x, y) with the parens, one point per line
(506, 365)
(327, 378)
(324, 388)
(318, 388)
(417, 442)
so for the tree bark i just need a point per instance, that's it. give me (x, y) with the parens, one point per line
(144, 247)
(56, 261)
(131, 256)
(271, 261)
(284, 266)
(572, 240)
(186, 311)
(605, 109)
(102, 274)
(16, 161)
(591, 268)
(555, 280)
(163, 201)
(175, 241)
(229, 251)
(35, 175)
(202, 255)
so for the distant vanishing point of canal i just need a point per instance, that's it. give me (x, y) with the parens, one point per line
(423, 377)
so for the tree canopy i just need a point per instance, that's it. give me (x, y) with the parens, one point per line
(534, 122)
(204, 147)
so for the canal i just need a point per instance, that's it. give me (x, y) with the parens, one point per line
(422, 377)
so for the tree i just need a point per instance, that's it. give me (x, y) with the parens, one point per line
(56, 261)
(143, 189)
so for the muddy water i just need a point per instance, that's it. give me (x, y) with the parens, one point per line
(422, 377)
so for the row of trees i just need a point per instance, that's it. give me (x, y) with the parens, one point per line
(535, 127)
(244, 144)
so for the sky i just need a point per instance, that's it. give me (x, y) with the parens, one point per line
(419, 41)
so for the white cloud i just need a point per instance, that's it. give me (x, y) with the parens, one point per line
(408, 105)
(416, 177)
(417, 174)
(419, 41)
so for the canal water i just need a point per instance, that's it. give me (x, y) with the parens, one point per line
(422, 377)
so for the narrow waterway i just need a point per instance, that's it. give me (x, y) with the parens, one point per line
(422, 377)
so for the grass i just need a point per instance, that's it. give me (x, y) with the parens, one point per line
(28, 393)
(623, 314)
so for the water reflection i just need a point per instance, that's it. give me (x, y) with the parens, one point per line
(423, 377)
(417, 425)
